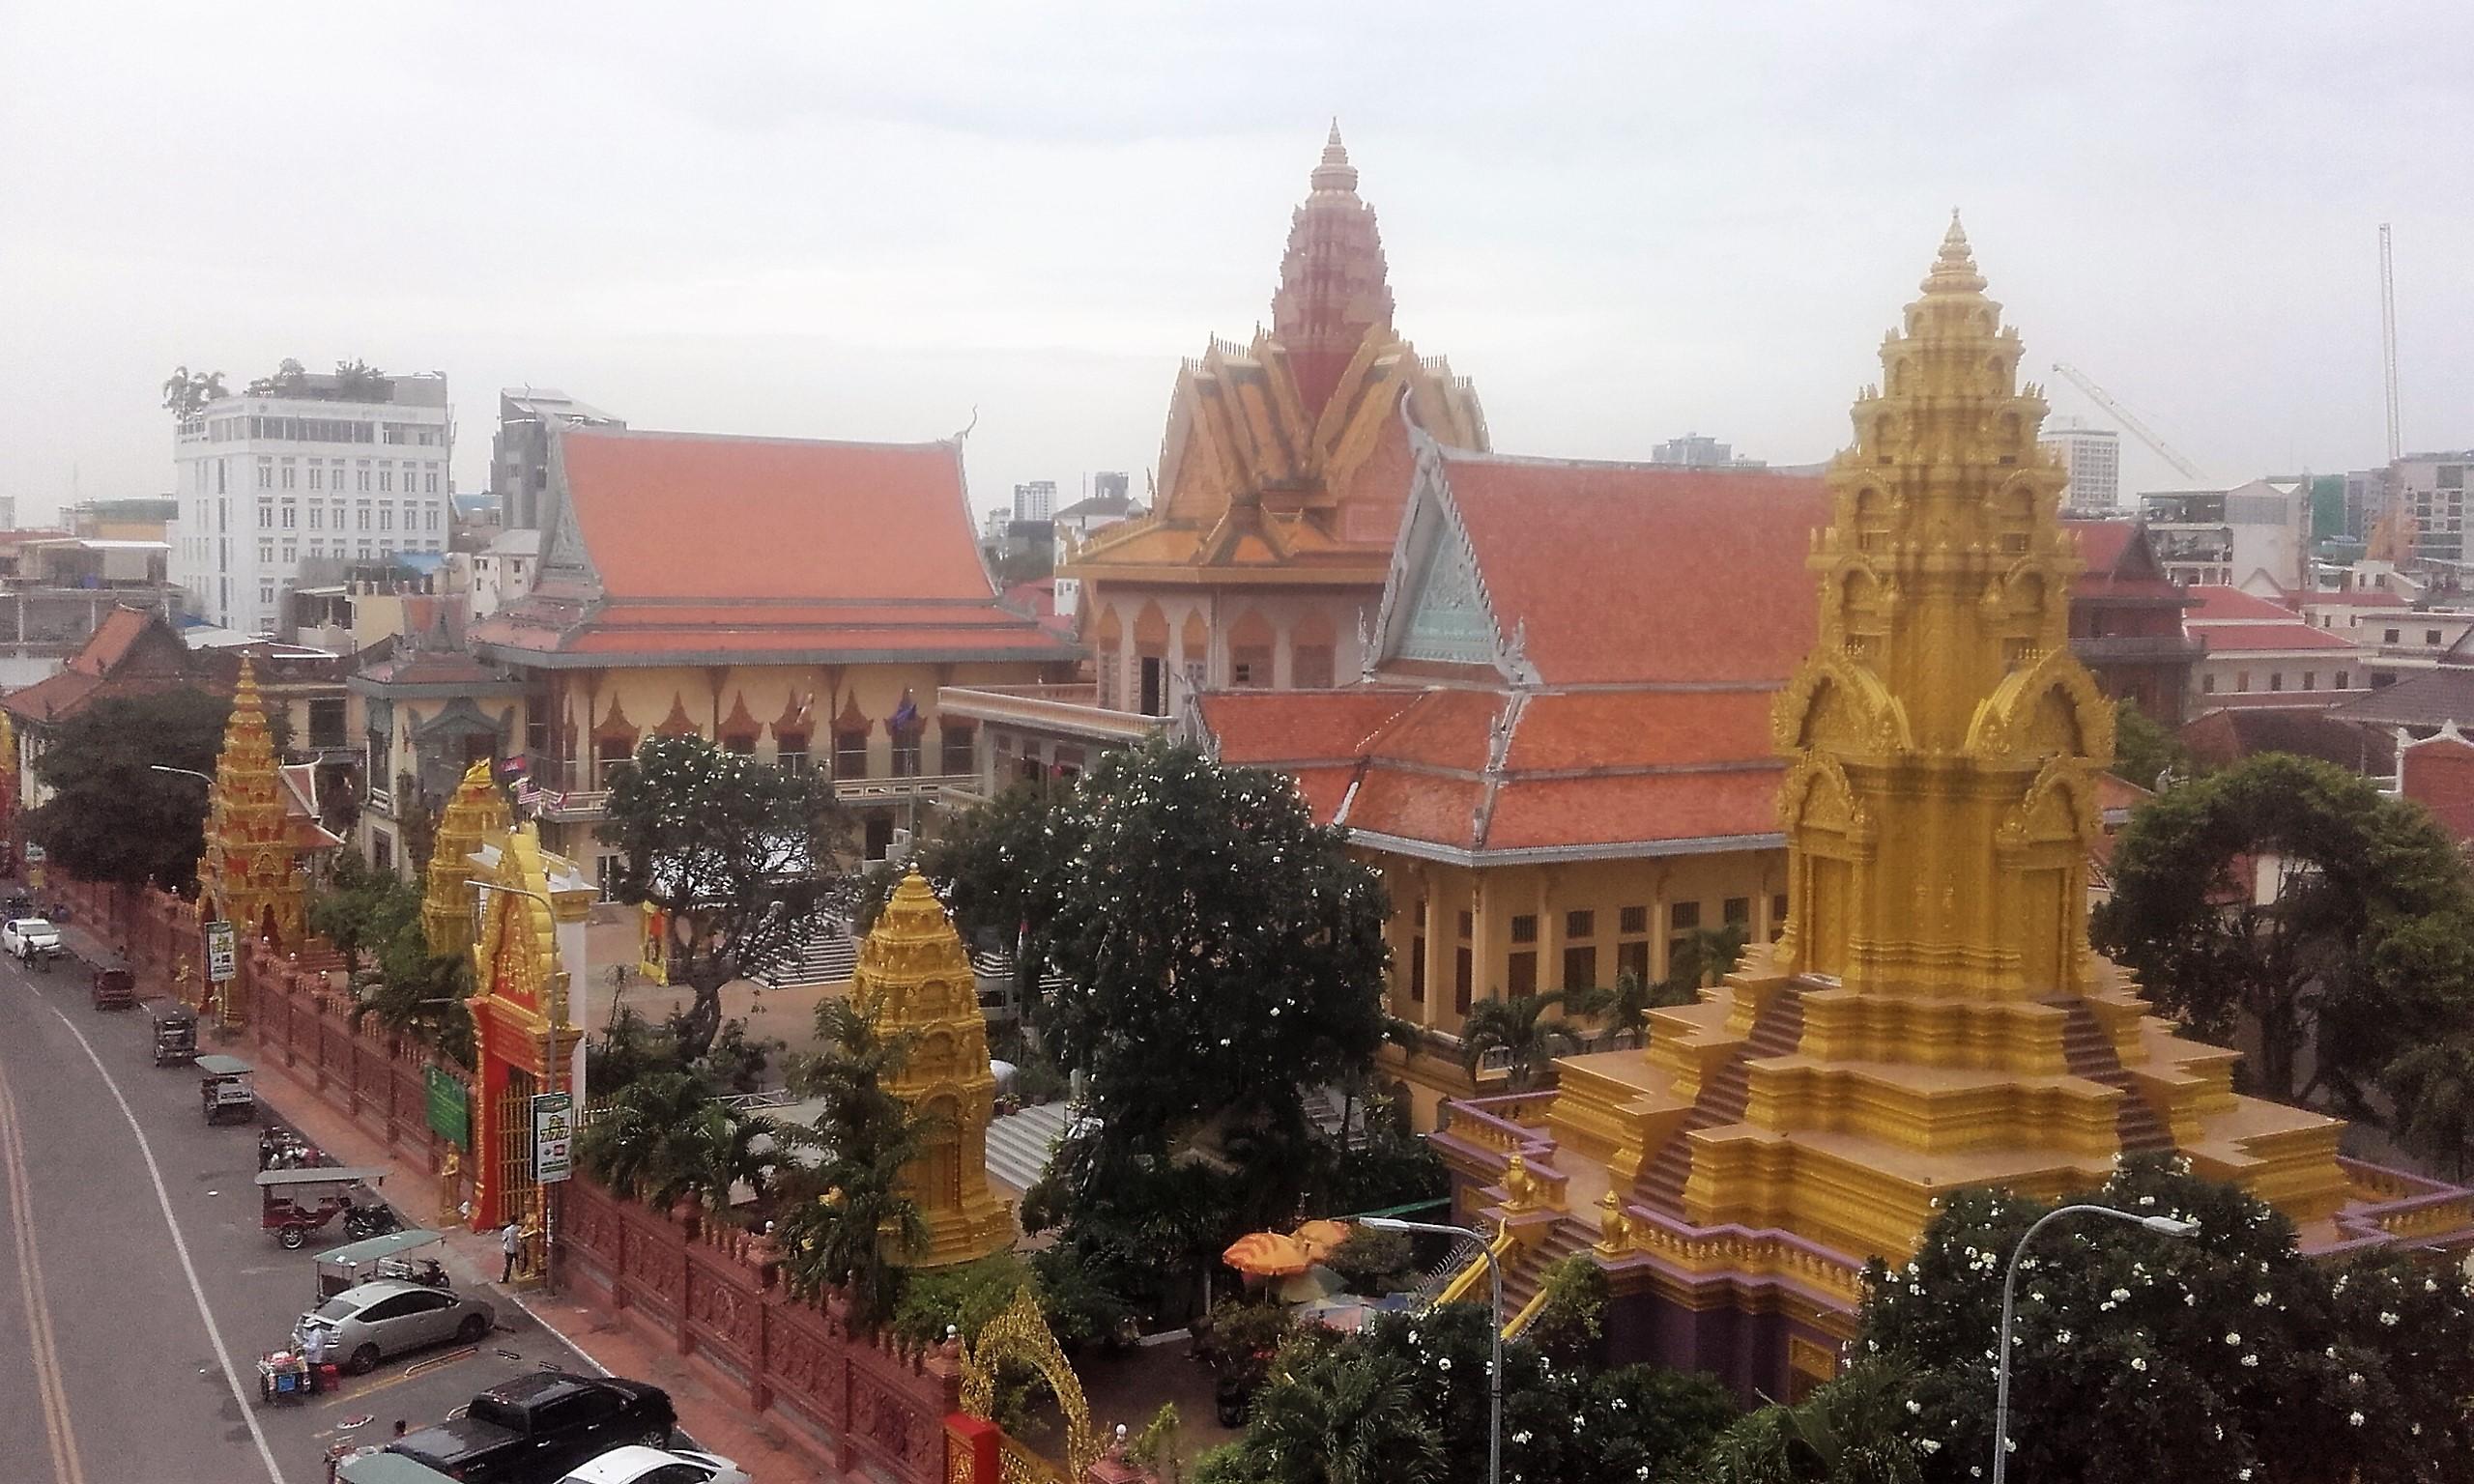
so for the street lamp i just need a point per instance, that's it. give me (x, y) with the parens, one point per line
(1494, 1330)
(207, 779)
(2162, 1226)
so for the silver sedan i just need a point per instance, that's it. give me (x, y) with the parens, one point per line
(365, 1324)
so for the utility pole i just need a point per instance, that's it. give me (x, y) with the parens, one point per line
(2388, 338)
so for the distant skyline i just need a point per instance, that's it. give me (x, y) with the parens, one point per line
(1622, 223)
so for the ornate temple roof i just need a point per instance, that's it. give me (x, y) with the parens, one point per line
(675, 547)
(1288, 456)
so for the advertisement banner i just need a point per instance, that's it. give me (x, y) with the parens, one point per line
(554, 1137)
(222, 952)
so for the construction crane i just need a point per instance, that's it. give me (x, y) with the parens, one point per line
(2139, 430)
(2388, 340)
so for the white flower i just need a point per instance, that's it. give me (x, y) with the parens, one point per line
(1929, 1445)
(2354, 1417)
(2119, 1294)
(2190, 1300)
(2262, 1301)
(2353, 1378)
(1445, 1364)
(1644, 1474)
(2386, 1318)
(2245, 1473)
(1520, 1437)
(2147, 1200)
(2038, 1297)
(2062, 1337)
(2233, 1339)
(2139, 1362)
(2251, 1361)
(1914, 1408)
(2430, 1287)
(1577, 1420)
(2009, 1444)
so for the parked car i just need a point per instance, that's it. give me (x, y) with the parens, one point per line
(657, 1466)
(28, 939)
(534, 1429)
(370, 1322)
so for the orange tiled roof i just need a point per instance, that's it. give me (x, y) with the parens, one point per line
(691, 548)
(1639, 573)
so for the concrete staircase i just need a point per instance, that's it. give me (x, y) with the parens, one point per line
(1019, 1144)
(2088, 1052)
(1526, 1271)
(826, 956)
(1324, 1109)
(1775, 1032)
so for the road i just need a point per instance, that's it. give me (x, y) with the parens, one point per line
(136, 1289)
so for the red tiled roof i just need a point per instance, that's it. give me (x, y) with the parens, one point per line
(2224, 637)
(1323, 789)
(1556, 543)
(1646, 808)
(111, 641)
(2220, 604)
(2438, 774)
(1417, 806)
(1640, 728)
(1257, 727)
(2102, 543)
(680, 515)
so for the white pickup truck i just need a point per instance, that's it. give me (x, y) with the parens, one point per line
(28, 939)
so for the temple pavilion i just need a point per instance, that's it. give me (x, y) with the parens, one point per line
(1931, 1016)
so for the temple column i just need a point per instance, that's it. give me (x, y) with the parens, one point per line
(1486, 975)
(1550, 932)
(1441, 924)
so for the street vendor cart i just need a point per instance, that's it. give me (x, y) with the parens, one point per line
(395, 1255)
(173, 1032)
(225, 1091)
(293, 1204)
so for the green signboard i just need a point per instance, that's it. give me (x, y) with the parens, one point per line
(450, 1110)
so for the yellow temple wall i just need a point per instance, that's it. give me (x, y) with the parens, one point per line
(1196, 624)
(1497, 896)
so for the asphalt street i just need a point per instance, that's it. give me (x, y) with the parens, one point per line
(138, 1290)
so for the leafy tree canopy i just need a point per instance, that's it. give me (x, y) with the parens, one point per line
(738, 855)
(2363, 952)
(110, 817)
(664, 1136)
(186, 393)
(2139, 1356)
(849, 1221)
(2145, 751)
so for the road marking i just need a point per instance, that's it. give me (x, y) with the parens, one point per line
(179, 1243)
(59, 1435)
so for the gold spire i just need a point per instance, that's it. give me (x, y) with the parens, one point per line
(1954, 266)
(914, 978)
(247, 869)
(476, 813)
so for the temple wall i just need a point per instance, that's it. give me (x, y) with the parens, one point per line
(1230, 622)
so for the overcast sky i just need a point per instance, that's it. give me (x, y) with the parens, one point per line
(1625, 222)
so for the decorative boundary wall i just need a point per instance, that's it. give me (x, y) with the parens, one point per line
(864, 1408)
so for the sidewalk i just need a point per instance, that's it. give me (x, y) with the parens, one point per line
(605, 1340)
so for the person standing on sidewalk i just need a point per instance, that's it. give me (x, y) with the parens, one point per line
(510, 1244)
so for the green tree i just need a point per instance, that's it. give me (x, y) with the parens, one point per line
(1622, 1008)
(110, 817)
(1851, 1431)
(738, 855)
(664, 1136)
(1343, 1418)
(849, 1222)
(965, 1295)
(2138, 1356)
(186, 394)
(1703, 956)
(290, 379)
(1519, 1027)
(1572, 1318)
(2145, 751)
(2432, 1087)
(2362, 953)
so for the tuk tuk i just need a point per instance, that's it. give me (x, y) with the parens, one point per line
(175, 1032)
(115, 987)
(395, 1255)
(292, 1204)
(225, 1092)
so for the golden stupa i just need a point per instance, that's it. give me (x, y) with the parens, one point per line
(914, 980)
(1932, 1017)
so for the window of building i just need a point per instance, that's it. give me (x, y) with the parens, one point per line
(1468, 927)
(1683, 920)
(291, 553)
(791, 750)
(265, 516)
(317, 476)
(288, 472)
(266, 591)
(386, 518)
(364, 513)
(1250, 666)
(317, 517)
(1736, 910)
(1520, 974)
(2276, 680)
(1632, 957)
(961, 756)
(432, 518)
(2311, 679)
(2241, 680)
(265, 551)
(1418, 969)
(1580, 967)
(2344, 679)
(1524, 928)
(2431, 636)
(433, 484)
(363, 477)
(849, 754)
(2388, 637)
(291, 515)
(1580, 926)
(1463, 971)
(1309, 667)
(2207, 685)
(906, 750)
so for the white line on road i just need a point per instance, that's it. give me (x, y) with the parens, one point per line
(179, 1243)
(59, 1432)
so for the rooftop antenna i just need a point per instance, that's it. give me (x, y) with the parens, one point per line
(2388, 338)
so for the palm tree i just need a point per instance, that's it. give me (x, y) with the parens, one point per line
(1703, 956)
(851, 1219)
(1624, 1009)
(663, 1137)
(1343, 1420)
(2434, 1089)
(1517, 1027)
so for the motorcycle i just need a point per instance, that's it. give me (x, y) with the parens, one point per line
(362, 1222)
(281, 1149)
(422, 1270)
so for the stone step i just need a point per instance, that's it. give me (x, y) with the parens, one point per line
(1019, 1145)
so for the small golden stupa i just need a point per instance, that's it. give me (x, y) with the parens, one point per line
(914, 980)
(246, 874)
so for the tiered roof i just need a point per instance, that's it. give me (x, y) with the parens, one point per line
(679, 549)
(1543, 692)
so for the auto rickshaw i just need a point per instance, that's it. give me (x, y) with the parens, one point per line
(115, 987)
(292, 1204)
(175, 1038)
(225, 1091)
(395, 1255)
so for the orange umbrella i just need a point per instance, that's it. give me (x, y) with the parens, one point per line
(1321, 1237)
(1267, 1254)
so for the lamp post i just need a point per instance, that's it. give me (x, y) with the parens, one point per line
(558, 1018)
(1494, 1330)
(2162, 1226)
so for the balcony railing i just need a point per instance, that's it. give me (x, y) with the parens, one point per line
(2160, 649)
(1070, 709)
(918, 785)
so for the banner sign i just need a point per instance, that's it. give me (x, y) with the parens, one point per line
(554, 1137)
(222, 952)
(451, 1108)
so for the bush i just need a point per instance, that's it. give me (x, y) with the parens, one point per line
(1573, 1317)
(1369, 1258)
(966, 1295)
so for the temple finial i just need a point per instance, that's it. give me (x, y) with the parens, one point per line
(1954, 266)
(1334, 173)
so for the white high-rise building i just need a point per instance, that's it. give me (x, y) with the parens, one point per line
(320, 473)
(1035, 500)
(2092, 457)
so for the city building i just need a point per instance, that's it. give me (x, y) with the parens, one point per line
(804, 602)
(1932, 1018)
(1035, 500)
(1696, 450)
(2126, 619)
(141, 519)
(520, 450)
(2262, 654)
(2366, 501)
(503, 571)
(55, 592)
(429, 710)
(2253, 536)
(2091, 459)
(326, 471)
(1282, 475)
(2432, 486)
(1561, 773)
